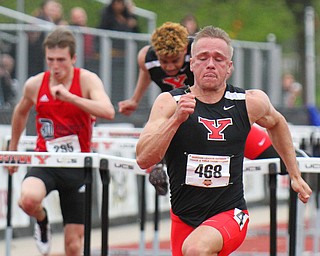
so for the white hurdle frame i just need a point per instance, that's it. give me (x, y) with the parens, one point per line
(113, 163)
(45, 159)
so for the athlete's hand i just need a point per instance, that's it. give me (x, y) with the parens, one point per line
(302, 188)
(12, 169)
(60, 92)
(127, 107)
(186, 105)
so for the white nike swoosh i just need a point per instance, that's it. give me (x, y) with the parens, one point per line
(227, 108)
(260, 143)
(183, 69)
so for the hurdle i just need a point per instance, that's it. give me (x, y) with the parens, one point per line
(308, 140)
(119, 164)
(107, 163)
(88, 161)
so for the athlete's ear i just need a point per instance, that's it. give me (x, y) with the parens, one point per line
(191, 64)
(74, 59)
(230, 69)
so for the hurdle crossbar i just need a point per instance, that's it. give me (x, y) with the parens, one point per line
(264, 166)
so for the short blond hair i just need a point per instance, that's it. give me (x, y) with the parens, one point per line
(213, 32)
(170, 39)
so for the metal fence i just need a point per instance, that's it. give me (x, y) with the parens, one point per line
(257, 64)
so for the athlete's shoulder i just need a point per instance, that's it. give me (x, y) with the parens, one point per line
(142, 55)
(178, 92)
(36, 80)
(190, 41)
(87, 78)
(150, 54)
(234, 93)
(233, 88)
(33, 85)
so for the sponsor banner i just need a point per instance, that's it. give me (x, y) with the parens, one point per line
(123, 164)
(72, 160)
(121, 147)
(309, 164)
(260, 166)
(116, 132)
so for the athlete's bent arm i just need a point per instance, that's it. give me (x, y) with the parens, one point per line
(261, 111)
(20, 115)
(127, 107)
(94, 101)
(22, 109)
(165, 118)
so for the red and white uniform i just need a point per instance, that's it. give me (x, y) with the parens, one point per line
(57, 119)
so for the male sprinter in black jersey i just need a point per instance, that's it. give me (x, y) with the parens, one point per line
(202, 136)
(166, 62)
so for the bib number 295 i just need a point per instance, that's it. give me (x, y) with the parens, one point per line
(64, 148)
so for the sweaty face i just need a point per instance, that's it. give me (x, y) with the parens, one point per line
(172, 64)
(211, 62)
(59, 62)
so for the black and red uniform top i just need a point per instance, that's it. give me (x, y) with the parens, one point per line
(165, 82)
(219, 129)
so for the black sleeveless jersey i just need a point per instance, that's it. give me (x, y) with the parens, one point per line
(217, 129)
(165, 82)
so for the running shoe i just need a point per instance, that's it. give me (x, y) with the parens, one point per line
(42, 235)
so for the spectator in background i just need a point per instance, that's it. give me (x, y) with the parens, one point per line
(291, 90)
(78, 17)
(51, 11)
(8, 90)
(8, 63)
(118, 16)
(190, 22)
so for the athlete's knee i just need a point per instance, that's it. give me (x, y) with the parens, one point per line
(73, 247)
(190, 248)
(74, 234)
(29, 204)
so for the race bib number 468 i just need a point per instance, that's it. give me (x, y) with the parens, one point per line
(208, 171)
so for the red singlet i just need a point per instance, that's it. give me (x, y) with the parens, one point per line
(57, 118)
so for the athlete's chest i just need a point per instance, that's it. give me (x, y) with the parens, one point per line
(217, 127)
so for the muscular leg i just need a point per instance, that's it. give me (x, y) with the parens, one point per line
(219, 235)
(73, 239)
(203, 241)
(33, 191)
